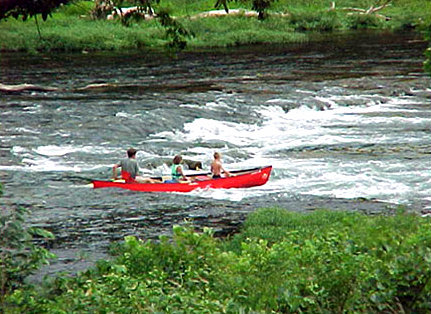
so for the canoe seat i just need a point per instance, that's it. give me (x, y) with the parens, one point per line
(202, 178)
(127, 177)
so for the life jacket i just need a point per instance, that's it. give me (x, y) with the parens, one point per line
(174, 172)
(127, 177)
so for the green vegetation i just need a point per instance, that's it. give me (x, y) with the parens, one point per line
(281, 261)
(19, 256)
(72, 28)
(28, 8)
(427, 63)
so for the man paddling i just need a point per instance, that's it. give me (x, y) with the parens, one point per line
(129, 169)
(217, 167)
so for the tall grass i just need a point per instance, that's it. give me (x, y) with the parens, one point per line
(76, 34)
(217, 32)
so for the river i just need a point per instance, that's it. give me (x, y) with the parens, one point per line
(345, 122)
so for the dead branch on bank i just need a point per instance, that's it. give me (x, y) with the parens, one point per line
(369, 11)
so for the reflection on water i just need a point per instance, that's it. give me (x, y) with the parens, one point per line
(342, 119)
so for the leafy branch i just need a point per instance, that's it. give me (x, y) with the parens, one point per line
(19, 256)
(174, 29)
(29, 8)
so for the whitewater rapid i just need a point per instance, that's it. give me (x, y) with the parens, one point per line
(337, 150)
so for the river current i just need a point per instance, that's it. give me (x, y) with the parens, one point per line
(345, 123)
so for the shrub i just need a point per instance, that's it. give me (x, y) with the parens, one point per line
(19, 255)
(364, 21)
(320, 21)
(280, 262)
(337, 261)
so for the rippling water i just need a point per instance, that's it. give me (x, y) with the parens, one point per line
(339, 120)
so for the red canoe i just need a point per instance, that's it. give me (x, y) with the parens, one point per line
(239, 179)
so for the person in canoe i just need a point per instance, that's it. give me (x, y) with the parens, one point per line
(129, 169)
(217, 167)
(177, 170)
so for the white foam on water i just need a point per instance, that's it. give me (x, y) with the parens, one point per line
(54, 150)
(26, 130)
(127, 115)
(35, 108)
(350, 179)
(43, 164)
(278, 139)
(278, 101)
(53, 158)
(234, 195)
(19, 149)
(217, 105)
(282, 130)
(220, 194)
(206, 130)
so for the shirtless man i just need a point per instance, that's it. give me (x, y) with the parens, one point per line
(129, 169)
(217, 168)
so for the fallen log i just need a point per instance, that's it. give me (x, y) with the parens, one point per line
(26, 87)
(97, 86)
(124, 12)
(370, 10)
(233, 12)
(218, 13)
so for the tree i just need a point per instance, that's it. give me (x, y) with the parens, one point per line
(258, 5)
(175, 31)
(28, 8)
(223, 3)
(261, 6)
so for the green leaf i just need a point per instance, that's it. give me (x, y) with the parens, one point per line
(42, 233)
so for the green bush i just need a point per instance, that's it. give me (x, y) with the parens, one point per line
(344, 261)
(280, 262)
(362, 21)
(76, 8)
(19, 255)
(320, 21)
(217, 32)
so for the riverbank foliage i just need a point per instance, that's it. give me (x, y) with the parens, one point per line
(280, 262)
(19, 255)
(72, 28)
(427, 63)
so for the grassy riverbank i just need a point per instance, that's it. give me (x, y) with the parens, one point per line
(71, 28)
(280, 262)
